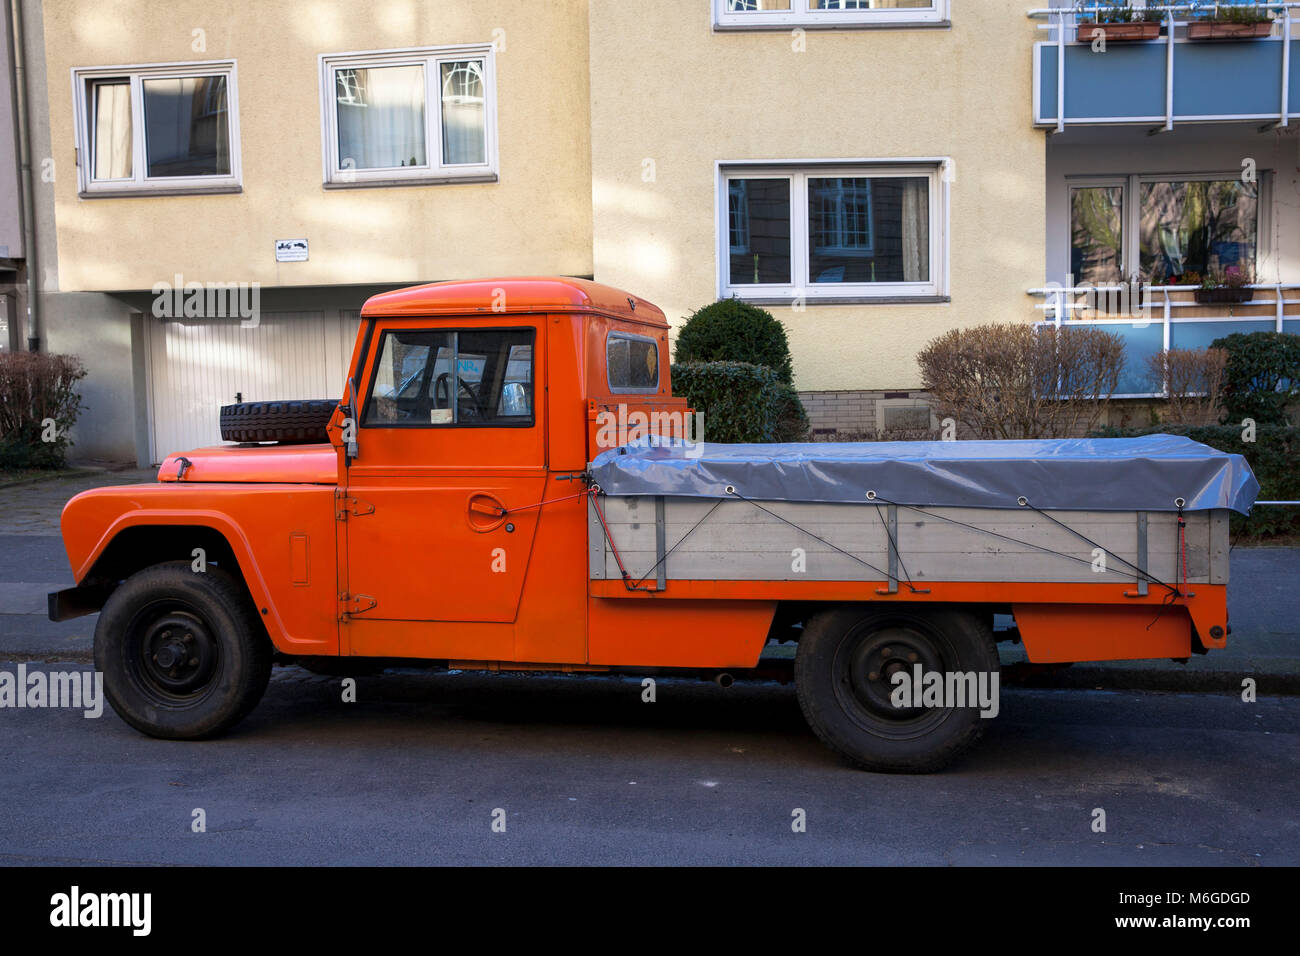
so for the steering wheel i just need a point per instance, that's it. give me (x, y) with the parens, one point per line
(442, 397)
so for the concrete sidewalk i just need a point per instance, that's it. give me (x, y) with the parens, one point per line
(1263, 603)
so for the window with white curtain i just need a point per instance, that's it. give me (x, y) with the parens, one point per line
(171, 128)
(829, 14)
(832, 232)
(409, 116)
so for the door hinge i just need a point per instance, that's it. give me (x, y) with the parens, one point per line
(345, 505)
(350, 604)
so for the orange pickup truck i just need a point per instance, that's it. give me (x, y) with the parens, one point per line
(449, 508)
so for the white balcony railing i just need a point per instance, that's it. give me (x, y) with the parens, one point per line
(1157, 318)
(1064, 30)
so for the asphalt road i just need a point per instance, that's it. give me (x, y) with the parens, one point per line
(582, 771)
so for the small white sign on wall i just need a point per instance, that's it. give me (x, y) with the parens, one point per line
(291, 250)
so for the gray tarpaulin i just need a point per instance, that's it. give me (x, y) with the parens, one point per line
(1103, 474)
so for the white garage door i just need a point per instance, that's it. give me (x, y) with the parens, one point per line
(198, 365)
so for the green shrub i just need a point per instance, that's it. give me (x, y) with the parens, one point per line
(791, 416)
(1274, 456)
(1262, 376)
(741, 402)
(38, 406)
(730, 330)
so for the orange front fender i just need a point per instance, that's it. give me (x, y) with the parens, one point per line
(257, 521)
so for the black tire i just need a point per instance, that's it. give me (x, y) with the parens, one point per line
(842, 670)
(296, 422)
(183, 653)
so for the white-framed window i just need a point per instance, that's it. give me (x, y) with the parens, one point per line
(409, 116)
(163, 128)
(827, 14)
(858, 231)
(1166, 229)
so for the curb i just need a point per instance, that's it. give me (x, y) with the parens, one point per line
(1082, 677)
(1071, 678)
(54, 476)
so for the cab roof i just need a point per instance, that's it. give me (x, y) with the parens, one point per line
(497, 296)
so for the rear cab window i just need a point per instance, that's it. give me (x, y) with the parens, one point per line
(632, 363)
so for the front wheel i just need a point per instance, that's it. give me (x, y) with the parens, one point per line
(856, 673)
(182, 652)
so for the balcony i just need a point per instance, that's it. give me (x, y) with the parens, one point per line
(1152, 318)
(1170, 79)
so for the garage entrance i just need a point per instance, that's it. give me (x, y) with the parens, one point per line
(197, 365)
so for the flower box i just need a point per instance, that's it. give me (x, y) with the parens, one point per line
(1223, 295)
(1227, 30)
(1119, 32)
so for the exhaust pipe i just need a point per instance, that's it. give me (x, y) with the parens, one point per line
(724, 680)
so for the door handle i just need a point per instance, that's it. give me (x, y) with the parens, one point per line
(484, 512)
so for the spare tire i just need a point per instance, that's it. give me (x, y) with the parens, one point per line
(291, 422)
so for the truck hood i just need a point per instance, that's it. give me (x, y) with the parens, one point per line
(289, 464)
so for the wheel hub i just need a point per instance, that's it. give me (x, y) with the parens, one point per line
(880, 656)
(178, 653)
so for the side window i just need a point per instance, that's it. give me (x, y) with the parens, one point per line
(466, 378)
(171, 128)
(632, 362)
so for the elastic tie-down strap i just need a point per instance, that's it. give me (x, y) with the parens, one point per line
(730, 489)
(1083, 537)
(609, 538)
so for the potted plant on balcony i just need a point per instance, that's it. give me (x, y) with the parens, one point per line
(1188, 279)
(1118, 21)
(1232, 285)
(1219, 21)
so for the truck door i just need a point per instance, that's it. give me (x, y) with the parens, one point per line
(440, 505)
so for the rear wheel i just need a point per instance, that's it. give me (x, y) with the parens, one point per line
(845, 671)
(183, 653)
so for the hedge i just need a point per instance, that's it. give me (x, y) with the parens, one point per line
(742, 402)
(1261, 377)
(1274, 456)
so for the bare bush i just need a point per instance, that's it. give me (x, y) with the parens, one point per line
(38, 405)
(1018, 381)
(1193, 381)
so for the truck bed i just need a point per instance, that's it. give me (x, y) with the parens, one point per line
(1070, 511)
(661, 539)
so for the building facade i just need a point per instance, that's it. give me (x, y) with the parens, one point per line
(224, 184)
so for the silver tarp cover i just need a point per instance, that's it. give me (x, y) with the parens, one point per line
(1086, 474)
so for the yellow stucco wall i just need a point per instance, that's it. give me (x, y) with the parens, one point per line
(666, 87)
(586, 93)
(537, 218)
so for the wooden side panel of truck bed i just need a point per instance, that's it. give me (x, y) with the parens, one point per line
(1071, 582)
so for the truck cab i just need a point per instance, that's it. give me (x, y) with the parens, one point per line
(463, 531)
